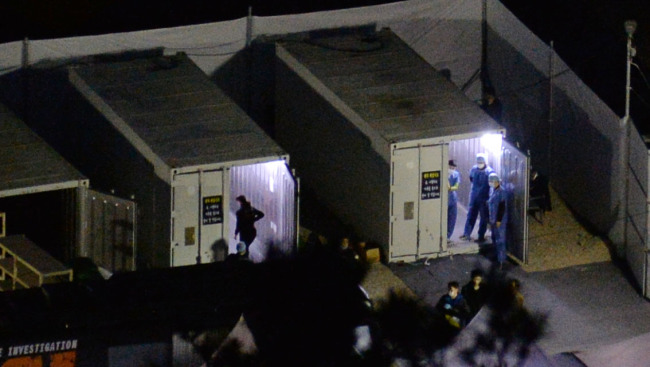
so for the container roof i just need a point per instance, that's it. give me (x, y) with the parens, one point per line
(172, 112)
(27, 163)
(388, 84)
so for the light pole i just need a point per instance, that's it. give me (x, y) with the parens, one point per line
(630, 28)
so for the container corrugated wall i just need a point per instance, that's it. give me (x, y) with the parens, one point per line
(513, 168)
(270, 187)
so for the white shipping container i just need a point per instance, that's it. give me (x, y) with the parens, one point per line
(204, 207)
(160, 132)
(371, 126)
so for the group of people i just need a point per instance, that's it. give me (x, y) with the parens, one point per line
(487, 200)
(460, 305)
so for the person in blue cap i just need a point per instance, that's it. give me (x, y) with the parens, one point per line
(478, 196)
(452, 202)
(498, 216)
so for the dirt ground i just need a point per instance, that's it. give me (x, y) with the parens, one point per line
(559, 241)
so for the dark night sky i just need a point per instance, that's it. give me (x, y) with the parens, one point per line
(588, 34)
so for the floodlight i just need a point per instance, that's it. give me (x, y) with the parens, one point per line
(630, 27)
(492, 143)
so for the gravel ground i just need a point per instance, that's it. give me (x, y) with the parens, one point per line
(560, 241)
(380, 281)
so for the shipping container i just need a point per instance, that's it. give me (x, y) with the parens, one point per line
(48, 207)
(371, 127)
(158, 131)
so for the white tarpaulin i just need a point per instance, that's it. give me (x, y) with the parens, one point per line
(571, 133)
(210, 45)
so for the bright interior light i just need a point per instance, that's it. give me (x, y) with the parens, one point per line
(492, 143)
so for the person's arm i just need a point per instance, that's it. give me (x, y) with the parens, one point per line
(257, 215)
(463, 309)
(501, 211)
(440, 306)
(454, 187)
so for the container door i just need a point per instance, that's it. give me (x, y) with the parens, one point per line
(109, 228)
(185, 219)
(404, 203)
(212, 213)
(515, 174)
(430, 217)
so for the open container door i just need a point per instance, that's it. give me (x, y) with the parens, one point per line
(515, 174)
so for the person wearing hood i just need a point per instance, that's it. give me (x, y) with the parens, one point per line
(452, 203)
(498, 216)
(478, 196)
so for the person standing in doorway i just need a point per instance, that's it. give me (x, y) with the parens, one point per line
(247, 215)
(498, 217)
(452, 202)
(478, 196)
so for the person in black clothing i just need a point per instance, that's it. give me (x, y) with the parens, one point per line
(492, 105)
(540, 195)
(247, 215)
(476, 292)
(453, 306)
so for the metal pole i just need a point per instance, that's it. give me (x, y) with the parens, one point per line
(630, 27)
(551, 73)
(25, 54)
(628, 87)
(484, 58)
(249, 26)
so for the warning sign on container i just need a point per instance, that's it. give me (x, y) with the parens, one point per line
(430, 185)
(212, 210)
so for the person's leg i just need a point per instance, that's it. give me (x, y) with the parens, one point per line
(483, 221)
(452, 213)
(247, 239)
(500, 242)
(472, 214)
